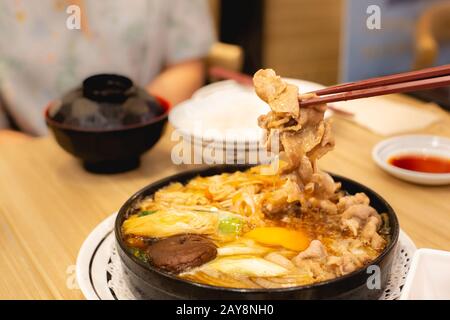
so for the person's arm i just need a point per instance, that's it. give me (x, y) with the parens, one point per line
(8, 136)
(189, 35)
(179, 81)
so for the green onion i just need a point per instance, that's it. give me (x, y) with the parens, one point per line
(146, 213)
(140, 254)
(230, 225)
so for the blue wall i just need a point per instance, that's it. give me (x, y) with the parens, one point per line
(367, 53)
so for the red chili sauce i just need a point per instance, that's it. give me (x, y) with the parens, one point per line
(421, 163)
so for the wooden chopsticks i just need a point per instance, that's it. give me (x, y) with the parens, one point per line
(397, 83)
(402, 82)
(222, 73)
(246, 80)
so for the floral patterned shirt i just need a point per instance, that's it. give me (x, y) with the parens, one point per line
(41, 58)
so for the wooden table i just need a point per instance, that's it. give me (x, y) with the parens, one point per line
(49, 204)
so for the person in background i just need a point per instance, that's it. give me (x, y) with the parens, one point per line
(159, 44)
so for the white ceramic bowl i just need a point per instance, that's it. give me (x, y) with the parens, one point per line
(225, 112)
(417, 145)
(230, 85)
(221, 116)
(428, 277)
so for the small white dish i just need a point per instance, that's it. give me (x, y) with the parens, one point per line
(413, 145)
(428, 277)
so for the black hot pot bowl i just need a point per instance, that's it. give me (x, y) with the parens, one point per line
(150, 283)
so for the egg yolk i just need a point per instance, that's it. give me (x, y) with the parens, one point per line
(278, 236)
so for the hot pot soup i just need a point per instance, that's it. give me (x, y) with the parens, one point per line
(269, 226)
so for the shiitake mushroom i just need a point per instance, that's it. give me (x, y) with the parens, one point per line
(179, 253)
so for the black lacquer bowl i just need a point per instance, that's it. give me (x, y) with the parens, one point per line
(108, 122)
(151, 283)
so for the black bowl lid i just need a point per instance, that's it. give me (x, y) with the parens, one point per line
(106, 102)
(107, 88)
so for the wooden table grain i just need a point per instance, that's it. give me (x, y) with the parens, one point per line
(49, 204)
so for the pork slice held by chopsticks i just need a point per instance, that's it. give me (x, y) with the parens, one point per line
(280, 96)
(302, 131)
